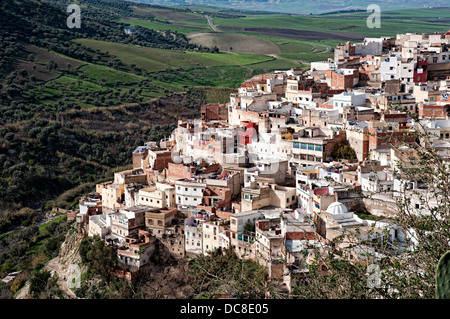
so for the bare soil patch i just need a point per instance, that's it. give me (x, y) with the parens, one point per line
(43, 56)
(239, 43)
(165, 14)
(38, 67)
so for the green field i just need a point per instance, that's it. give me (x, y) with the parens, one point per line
(153, 60)
(391, 24)
(96, 72)
(337, 24)
(167, 70)
(159, 25)
(290, 39)
(256, 43)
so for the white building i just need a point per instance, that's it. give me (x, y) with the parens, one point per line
(405, 73)
(381, 181)
(370, 46)
(99, 225)
(389, 67)
(211, 238)
(323, 65)
(339, 101)
(269, 146)
(193, 236)
(159, 196)
(189, 193)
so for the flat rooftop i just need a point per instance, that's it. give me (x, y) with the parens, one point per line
(268, 212)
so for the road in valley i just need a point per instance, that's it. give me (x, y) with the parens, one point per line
(211, 24)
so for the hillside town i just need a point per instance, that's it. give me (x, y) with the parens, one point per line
(262, 175)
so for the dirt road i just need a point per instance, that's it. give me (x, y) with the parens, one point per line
(211, 24)
(61, 270)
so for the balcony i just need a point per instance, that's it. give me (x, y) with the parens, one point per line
(246, 236)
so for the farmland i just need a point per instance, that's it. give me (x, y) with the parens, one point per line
(235, 42)
(153, 60)
(291, 40)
